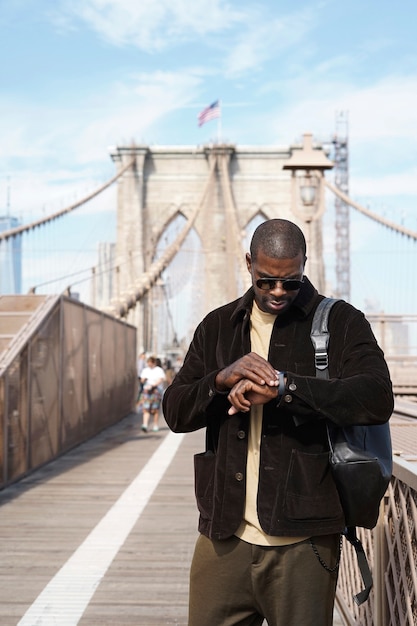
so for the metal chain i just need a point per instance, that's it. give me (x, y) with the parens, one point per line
(322, 562)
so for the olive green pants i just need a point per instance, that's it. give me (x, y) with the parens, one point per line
(234, 583)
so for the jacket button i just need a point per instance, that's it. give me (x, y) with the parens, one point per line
(241, 434)
(288, 398)
(211, 393)
(292, 387)
(239, 476)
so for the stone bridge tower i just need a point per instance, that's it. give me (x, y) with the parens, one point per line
(231, 186)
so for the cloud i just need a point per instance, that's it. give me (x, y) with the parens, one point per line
(43, 173)
(153, 26)
(135, 107)
(404, 182)
(382, 127)
(254, 33)
(387, 108)
(115, 112)
(262, 39)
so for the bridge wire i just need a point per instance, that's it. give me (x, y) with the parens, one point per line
(110, 268)
(175, 279)
(26, 227)
(120, 308)
(374, 216)
(60, 278)
(175, 341)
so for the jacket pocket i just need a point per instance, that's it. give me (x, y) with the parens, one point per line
(204, 470)
(311, 493)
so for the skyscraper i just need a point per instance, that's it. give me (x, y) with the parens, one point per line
(10, 258)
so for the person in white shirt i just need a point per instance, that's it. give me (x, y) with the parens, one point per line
(152, 377)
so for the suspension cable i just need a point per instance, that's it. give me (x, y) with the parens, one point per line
(377, 218)
(120, 308)
(27, 227)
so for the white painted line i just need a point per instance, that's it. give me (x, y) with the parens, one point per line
(65, 598)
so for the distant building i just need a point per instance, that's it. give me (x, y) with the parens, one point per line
(103, 284)
(10, 258)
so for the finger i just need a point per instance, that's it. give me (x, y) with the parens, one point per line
(252, 367)
(264, 369)
(240, 402)
(233, 410)
(257, 369)
(237, 396)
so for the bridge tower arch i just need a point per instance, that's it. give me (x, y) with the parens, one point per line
(222, 188)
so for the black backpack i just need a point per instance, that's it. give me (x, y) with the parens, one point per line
(360, 457)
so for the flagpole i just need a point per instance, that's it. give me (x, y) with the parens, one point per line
(219, 123)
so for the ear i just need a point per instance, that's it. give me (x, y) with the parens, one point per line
(248, 262)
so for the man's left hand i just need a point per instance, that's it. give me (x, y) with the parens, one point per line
(246, 392)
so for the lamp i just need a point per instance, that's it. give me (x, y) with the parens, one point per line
(307, 165)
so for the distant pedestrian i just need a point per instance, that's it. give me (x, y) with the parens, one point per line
(152, 379)
(141, 364)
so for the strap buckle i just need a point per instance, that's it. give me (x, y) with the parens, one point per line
(322, 360)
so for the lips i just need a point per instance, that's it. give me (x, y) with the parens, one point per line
(277, 305)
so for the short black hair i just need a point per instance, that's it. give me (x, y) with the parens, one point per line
(278, 239)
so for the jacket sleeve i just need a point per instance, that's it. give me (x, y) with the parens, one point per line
(359, 389)
(192, 399)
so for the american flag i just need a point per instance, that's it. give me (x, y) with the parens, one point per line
(209, 113)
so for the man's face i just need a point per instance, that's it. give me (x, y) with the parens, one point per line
(275, 300)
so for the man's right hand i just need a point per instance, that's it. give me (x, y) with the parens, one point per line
(251, 367)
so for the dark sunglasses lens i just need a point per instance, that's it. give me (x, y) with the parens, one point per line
(268, 284)
(265, 284)
(291, 285)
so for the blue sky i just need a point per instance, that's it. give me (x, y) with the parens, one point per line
(78, 76)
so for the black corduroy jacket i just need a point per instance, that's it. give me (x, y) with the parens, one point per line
(296, 492)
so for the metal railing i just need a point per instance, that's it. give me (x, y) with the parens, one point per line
(391, 549)
(69, 373)
(397, 336)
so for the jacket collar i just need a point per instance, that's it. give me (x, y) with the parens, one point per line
(302, 305)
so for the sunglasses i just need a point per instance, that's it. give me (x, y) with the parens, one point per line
(288, 284)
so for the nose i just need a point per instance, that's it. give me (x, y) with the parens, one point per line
(278, 288)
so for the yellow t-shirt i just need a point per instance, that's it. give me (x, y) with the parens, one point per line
(250, 529)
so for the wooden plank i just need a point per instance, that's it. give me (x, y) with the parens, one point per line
(147, 583)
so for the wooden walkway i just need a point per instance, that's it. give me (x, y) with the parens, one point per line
(46, 517)
(104, 535)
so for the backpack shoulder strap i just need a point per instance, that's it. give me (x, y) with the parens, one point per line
(320, 336)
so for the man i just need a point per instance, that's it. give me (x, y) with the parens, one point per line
(270, 516)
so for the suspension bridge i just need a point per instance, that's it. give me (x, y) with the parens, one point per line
(101, 286)
(174, 246)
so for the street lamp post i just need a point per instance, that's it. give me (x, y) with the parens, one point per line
(307, 165)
